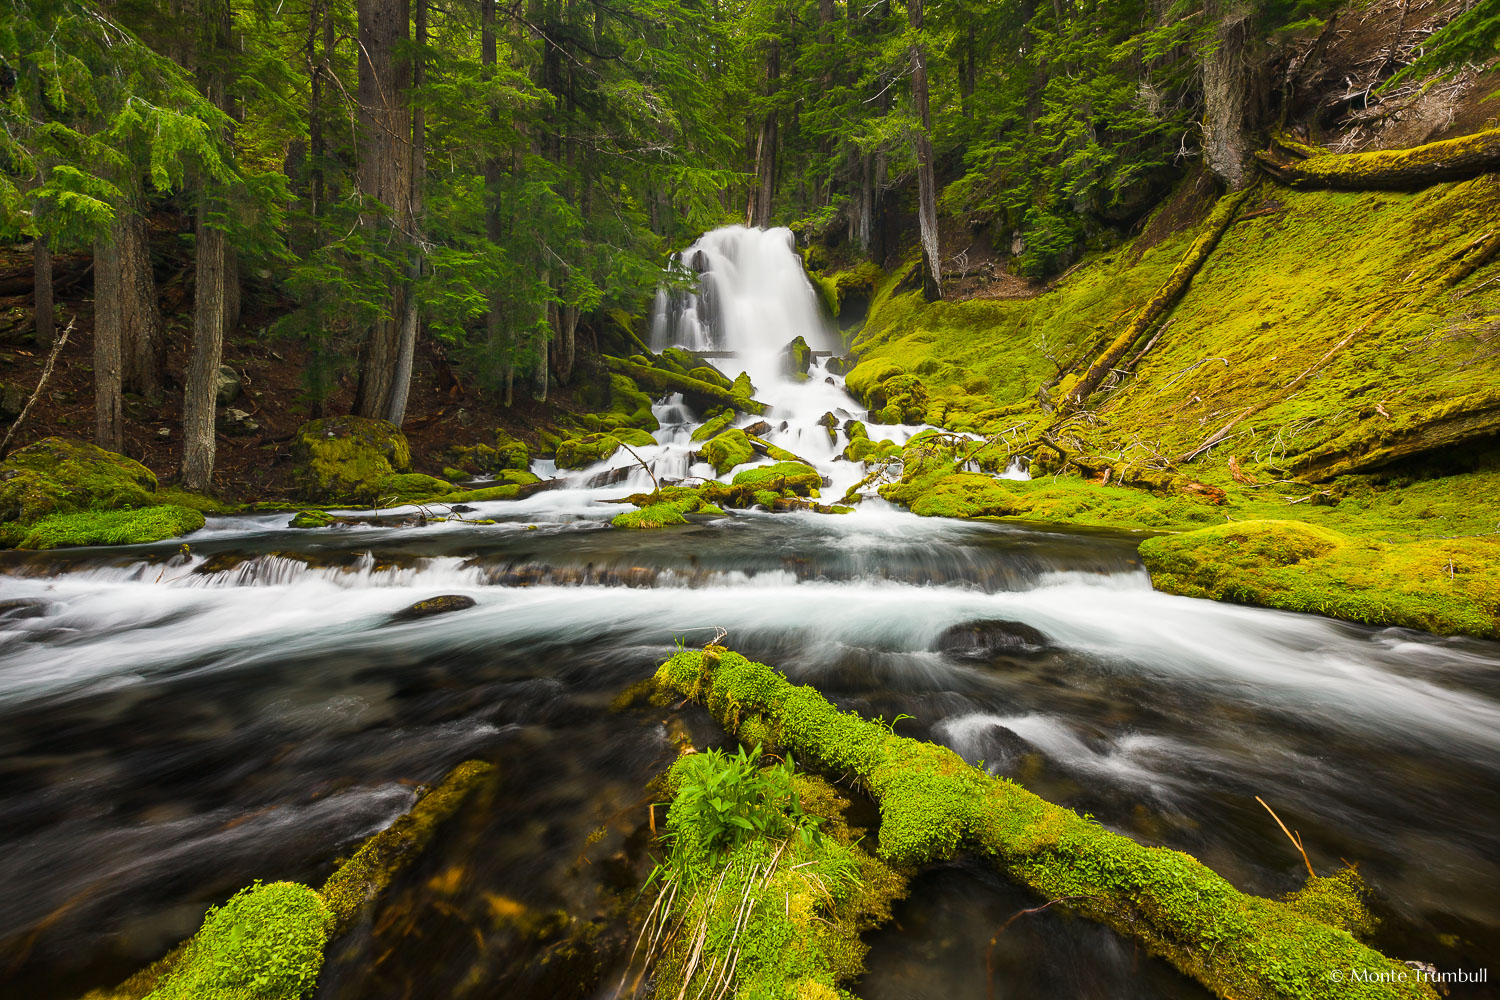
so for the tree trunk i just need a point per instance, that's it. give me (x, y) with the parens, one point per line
(1393, 170)
(567, 342)
(41, 266)
(494, 321)
(1227, 95)
(765, 147)
(199, 400)
(411, 321)
(932, 277)
(385, 169)
(108, 419)
(142, 345)
(317, 21)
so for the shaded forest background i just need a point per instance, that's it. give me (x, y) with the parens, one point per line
(438, 213)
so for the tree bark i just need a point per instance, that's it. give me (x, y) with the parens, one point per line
(200, 397)
(1394, 170)
(765, 147)
(411, 322)
(494, 320)
(385, 169)
(1228, 96)
(932, 276)
(142, 345)
(41, 266)
(108, 419)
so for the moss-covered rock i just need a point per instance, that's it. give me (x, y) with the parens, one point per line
(442, 605)
(711, 375)
(477, 459)
(266, 943)
(312, 519)
(60, 476)
(108, 527)
(629, 405)
(726, 450)
(410, 487)
(578, 453)
(347, 457)
(1441, 585)
(796, 358)
(795, 477)
(657, 515)
(714, 422)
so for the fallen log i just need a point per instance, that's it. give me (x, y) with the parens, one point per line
(1373, 444)
(660, 381)
(1222, 217)
(1390, 169)
(933, 804)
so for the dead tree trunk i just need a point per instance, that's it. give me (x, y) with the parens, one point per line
(384, 176)
(1392, 170)
(109, 429)
(1228, 95)
(41, 267)
(932, 275)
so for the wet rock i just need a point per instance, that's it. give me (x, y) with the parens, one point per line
(610, 477)
(12, 400)
(22, 607)
(434, 606)
(840, 366)
(796, 358)
(758, 429)
(461, 508)
(980, 640)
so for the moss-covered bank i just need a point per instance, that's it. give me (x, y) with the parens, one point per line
(933, 804)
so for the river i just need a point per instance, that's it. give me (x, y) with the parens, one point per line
(175, 725)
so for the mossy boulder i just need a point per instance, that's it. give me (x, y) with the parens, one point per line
(655, 516)
(347, 457)
(578, 453)
(795, 477)
(477, 459)
(1442, 585)
(678, 360)
(796, 358)
(715, 421)
(110, 527)
(410, 486)
(60, 476)
(446, 604)
(742, 387)
(726, 450)
(312, 519)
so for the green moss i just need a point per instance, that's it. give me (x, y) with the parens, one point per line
(796, 359)
(933, 804)
(266, 943)
(178, 497)
(346, 457)
(410, 486)
(115, 527)
(312, 519)
(60, 476)
(577, 453)
(1442, 585)
(714, 424)
(476, 459)
(726, 450)
(701, 394)
(1339, 900)
(630, 405)
(793, 476)
(711, 375)
(655, 516)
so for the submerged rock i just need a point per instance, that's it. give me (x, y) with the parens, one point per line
(434, 606)
(22, 607)
(980, 640)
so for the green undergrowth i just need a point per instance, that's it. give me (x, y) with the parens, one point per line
(1441, 585)
(934, 805)
(112, 527)
(765, 888)
(267, 942)
(58, 492)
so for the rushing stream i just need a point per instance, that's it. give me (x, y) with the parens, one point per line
(176, 725)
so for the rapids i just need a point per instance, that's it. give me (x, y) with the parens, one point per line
(175, 725)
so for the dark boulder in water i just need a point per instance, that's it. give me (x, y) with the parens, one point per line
(433, 606)
(981, 640)
(22, 607)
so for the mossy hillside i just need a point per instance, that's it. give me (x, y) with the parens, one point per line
(108, 527)
(578, 453)
(933, 804)
(778, 910)
(1441, 585)
(347, 457)
(61, 476)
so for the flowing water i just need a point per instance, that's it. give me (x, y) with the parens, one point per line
(175, 725)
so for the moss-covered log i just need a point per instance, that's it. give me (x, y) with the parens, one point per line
(658, 380)
(933, 804)
(1379, 440)
(1220, 219)
(1390, 169)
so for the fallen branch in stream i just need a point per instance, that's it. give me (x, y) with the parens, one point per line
(1296, 840)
